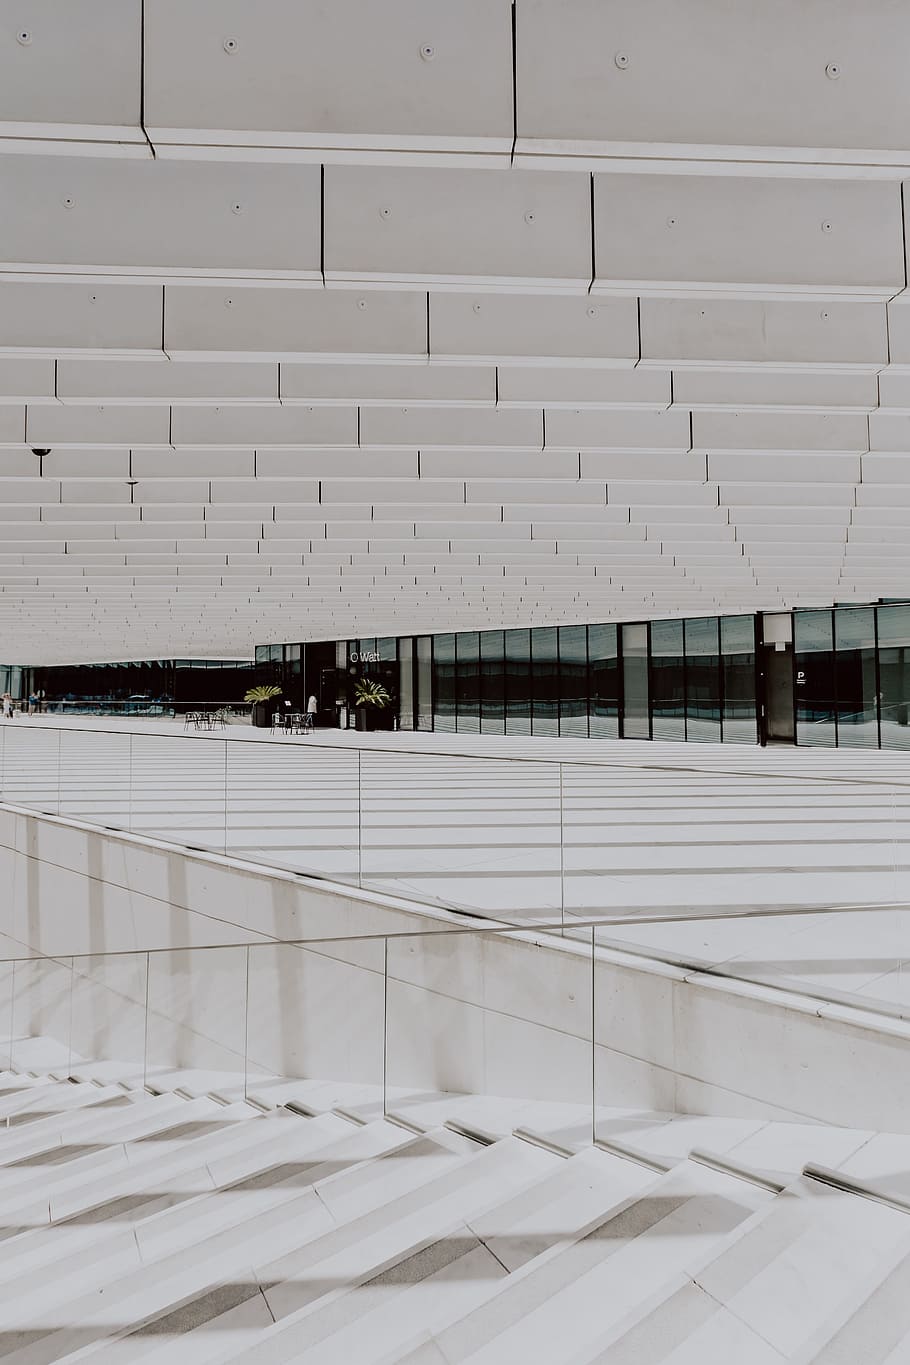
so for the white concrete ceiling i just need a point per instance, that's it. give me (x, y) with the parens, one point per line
(357, 318)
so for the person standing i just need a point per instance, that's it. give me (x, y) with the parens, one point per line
(312, 707)
(7, 706)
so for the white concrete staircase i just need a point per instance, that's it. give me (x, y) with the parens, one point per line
(186, 1224)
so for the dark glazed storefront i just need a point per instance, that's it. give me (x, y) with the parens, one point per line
(837, 677)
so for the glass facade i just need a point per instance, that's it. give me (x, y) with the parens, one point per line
(844, 679)
(156, 687)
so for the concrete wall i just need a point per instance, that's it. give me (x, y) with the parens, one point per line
(471, 1011)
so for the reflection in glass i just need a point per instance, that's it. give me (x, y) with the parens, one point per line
(737, 647)
(406, 683)
(636, 723)
(703, 679)
(894, 675)
(444, 682)
(467, 682)
(545, 680)
(492, 679)
(424, 682)
(813, 636)
(855, 681)
(518, 682)
(604, 675)
(668, 688)
(573, 681)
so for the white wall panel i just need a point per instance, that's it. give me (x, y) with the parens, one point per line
(889, 431)
(291, 322)
(785, 468)
(737, 74)
(517, 326)
(750, 231)
(428, 224)
(408, 73)
(162, 380)
(12, 423)
(474, 464)
(741, 330)
(446, 428)
(206, 464)
(249, 425)
(591, 386)
(686, 487)
(773, 388)
(416, 383)
(551, 493)
(96, 317)
(22, 379)
(588, 428)
(641, 464)
(358, 465)
(886, 469)
(88, 464)
(205, 216)
(62, 64)
(746, 430)
(50, 425)
(302, 490)
(770, 493)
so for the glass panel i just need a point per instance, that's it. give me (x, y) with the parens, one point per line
(315, 1013)
(493, 717)
(573, 680)
(703, 679)
(467, 681)
(406, 684)
(894, 675)
(814, 650)
(466, 1015)
(737, 646)
(668, 688)
(856, 685)
(425, 683)
(636, 722)
(545, 680)
(518, 681)
(604, 674)
(444, 682)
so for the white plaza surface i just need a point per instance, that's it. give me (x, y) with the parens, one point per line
(534, 832)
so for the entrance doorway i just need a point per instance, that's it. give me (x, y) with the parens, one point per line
(778, 694)
(779, 726)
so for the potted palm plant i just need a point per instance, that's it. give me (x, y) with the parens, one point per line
(369, 696)
(259, 699)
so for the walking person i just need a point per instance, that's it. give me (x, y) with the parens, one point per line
(7, 703)
(312, 707)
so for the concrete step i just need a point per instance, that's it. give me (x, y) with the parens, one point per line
(438, 1281)
(558, 1302)
(99, 1206)
(777, 1279)
(75, 1317)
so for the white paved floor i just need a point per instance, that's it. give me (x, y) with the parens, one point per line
(531, 830)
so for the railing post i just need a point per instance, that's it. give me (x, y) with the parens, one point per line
(593, 1040)
(359, 819)
(145, 1044)
(246, 1029)
(385, 1025)
(562, 854)
(12, 1013)
(226, 776)
(69, 1062)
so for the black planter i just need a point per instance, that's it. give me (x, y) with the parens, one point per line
(262, 714)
